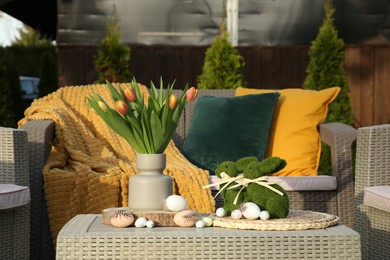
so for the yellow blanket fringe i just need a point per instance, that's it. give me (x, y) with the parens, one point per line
(90, 165)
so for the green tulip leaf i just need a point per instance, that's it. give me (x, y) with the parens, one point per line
(157, 133)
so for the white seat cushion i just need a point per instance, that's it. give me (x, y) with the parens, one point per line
(306, 183)
(299, 183)
(13, 196)
(377, 197)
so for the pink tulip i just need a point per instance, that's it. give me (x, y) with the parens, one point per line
(172, 102)
(121, 107)
(129, 94)
(191, 94)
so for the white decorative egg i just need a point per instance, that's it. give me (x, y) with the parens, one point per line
(220, 212)
(236, 214)
(250, 210)
(200, 224)
(176, 203)
(264, 215)
(149, 224)
(140, 222)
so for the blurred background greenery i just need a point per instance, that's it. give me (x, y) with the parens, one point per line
(32, 56)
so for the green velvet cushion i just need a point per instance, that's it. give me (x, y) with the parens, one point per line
(229, 128)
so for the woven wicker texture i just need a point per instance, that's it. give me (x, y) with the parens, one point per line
(296, 220)
(85, 237)
(15, 223)
(338, 202)
(90, 165)
(372, 169)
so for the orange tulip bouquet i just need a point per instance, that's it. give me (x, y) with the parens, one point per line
(148, 128)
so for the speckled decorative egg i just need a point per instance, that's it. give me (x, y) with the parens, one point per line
(200, 224)
(122, 219)
(176, 203)
(250, 210)
(220, 212)
(264, 215)
(236, 214)
(140, 222)
(186, 218)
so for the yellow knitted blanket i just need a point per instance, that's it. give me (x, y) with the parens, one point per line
(90, 165)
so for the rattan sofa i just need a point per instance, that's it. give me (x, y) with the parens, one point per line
(338, 201)
(373, 170)
(14, 211)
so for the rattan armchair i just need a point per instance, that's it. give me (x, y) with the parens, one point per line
(373, 170)
(14, 219)
(338, 201)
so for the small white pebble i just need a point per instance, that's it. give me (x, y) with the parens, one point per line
(208, 221)
(200, 224)
(140, 222)
(220, 212)
(236, 214)
(264, 215)
(149, 224)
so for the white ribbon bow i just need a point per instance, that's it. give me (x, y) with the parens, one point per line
(244, 182)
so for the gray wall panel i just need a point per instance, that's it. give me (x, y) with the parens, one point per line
(196, 22)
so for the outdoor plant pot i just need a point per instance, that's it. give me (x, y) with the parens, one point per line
(149, 189)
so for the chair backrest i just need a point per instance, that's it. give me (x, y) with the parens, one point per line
(185, 121)
(14, 163)
(372, 157)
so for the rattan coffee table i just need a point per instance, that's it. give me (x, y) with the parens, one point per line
(85, 237)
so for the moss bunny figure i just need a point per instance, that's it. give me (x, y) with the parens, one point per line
(274, 200)
(277, 204)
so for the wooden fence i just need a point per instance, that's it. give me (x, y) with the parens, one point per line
(367, 68)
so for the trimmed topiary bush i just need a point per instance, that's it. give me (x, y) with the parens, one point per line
(326, 69)
(223, 65)
(112, 59)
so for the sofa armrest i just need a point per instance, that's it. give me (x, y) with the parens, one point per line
(40, 135)
(340, 138)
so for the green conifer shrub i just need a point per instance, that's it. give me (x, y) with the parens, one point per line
(30, 37)
(112, 59)
(223, 65)
(326, 69)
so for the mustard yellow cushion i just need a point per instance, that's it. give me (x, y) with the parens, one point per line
(294, 133)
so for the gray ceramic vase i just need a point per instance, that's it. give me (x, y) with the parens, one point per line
(150, 187)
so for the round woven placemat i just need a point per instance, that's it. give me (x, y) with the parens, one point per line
(296, 220)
